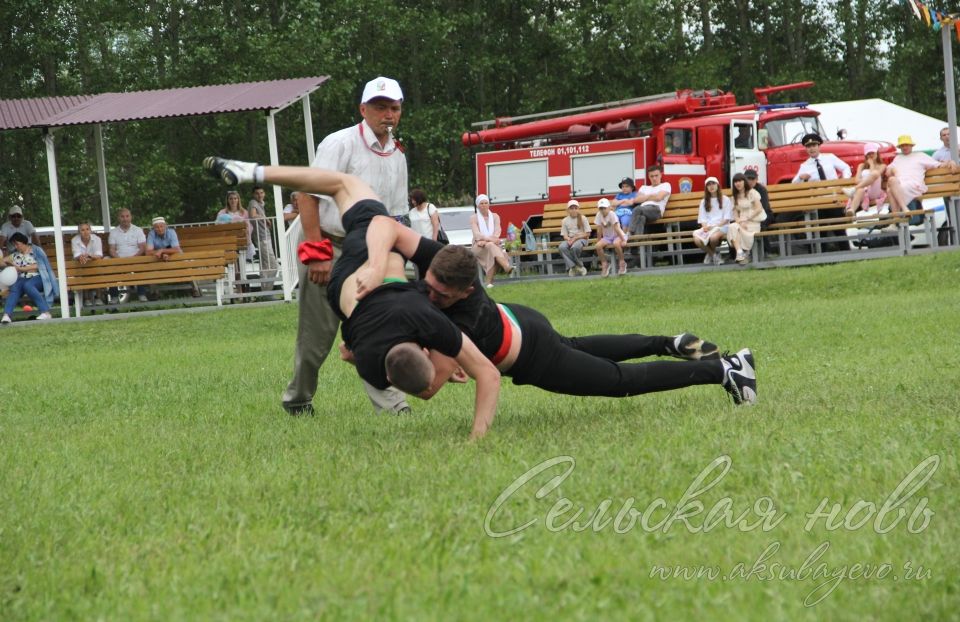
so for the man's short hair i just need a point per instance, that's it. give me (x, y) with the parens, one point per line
(19, 237)
(750, 174)
(654, 168)
(255, 188)
(455, 266)
(408, 368)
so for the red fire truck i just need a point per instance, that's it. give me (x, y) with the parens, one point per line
(692, 134)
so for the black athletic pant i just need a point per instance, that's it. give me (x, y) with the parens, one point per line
(590, 365)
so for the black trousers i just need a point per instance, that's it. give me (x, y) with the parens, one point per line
(593, 365)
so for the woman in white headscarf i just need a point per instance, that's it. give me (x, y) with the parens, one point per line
(486, 240)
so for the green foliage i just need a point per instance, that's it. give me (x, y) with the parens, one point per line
(149, 472)
(458, 61)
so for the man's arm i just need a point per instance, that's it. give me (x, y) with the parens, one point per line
(843, 167)
(487, 378)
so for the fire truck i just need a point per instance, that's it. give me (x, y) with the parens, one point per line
(693, 135)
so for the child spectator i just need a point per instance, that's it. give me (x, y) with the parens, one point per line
(575, 230)
(869, 178)
(623, 202)
(747, 215)
(609, 233)
(716, 212)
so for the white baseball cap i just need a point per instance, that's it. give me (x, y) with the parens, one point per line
(382, 87)
(158, 220)
(573, 203)
(603, 203)
(16, 209)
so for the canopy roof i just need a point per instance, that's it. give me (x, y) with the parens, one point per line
(157, 104)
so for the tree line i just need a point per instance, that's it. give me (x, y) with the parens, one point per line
(458, 61)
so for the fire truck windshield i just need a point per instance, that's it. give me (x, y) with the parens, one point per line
(790, 130)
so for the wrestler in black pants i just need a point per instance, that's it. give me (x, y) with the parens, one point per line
(591, 365)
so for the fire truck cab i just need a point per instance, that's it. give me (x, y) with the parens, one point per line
(691, 134)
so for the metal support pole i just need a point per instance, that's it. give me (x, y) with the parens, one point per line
(102, 179)
(278, 207)
(308, 130)
(950, 92)
(57, 224)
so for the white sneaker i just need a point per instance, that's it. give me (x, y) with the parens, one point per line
(142, 298)
(6, 319)
(708, 258)
(604, 271)
(572, 272)
(44, 316)
(582, 271)
(489, 285)
(717, 259)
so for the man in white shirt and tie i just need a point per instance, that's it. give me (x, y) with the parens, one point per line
(822, 167)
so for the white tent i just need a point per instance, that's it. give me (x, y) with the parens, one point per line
(877, 119)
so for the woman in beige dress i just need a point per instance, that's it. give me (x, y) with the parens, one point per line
(747, 215)
(486, 240)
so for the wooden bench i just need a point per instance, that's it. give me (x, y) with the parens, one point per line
(809, 199)
(679, 219)
(207, 265)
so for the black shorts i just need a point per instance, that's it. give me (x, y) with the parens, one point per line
(354, 251)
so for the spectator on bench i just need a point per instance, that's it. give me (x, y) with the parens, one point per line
(87, 247)
(36, 278)
(747, 215)
(623, 202)
(16, 223)
(575, 230)
(943, 153)
(651, 201)
(869, 187)
(905, 175)
(609, 233)
(486, 240)
(822, 167)
(162, 242)
(127, 240)
(716, 212)
(753, 183)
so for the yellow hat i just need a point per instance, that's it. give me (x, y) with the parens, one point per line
(905, 140)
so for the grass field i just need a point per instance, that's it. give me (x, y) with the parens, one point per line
(149, 473)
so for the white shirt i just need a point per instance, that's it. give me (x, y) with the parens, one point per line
(383, 168)
(942, 154)
(830, 163)
(94, 248)
(127, 242)
(662, 203)
(420, 220)
(717, 214)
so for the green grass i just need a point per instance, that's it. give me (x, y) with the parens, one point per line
(149, 473)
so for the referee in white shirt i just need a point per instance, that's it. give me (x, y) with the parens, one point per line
(369, 151)
(822, 167)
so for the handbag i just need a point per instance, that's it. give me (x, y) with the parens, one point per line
(442, 236)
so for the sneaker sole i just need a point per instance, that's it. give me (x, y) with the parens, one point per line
(216, 168)
(747, 397)
(701, 350)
